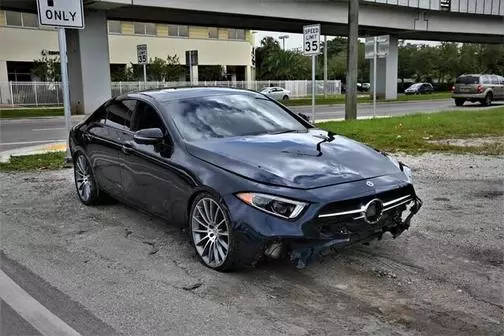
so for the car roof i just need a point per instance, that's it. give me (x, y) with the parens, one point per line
(176, 93)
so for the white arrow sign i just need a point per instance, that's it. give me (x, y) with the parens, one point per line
(61, 13)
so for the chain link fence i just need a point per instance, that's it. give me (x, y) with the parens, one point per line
(50, 93)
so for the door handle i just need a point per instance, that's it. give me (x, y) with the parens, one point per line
(126, 148)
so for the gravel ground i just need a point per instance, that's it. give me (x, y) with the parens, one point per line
(139, 275)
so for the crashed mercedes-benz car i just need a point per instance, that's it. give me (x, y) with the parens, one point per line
(247, 177)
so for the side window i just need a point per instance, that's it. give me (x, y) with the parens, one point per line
(98, 117)
(501, 79)
(146, 117)
(119, 114)
(495, 79)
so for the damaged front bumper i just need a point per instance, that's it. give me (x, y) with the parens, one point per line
(304, 252)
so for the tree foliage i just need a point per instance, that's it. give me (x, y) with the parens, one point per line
(47, 69)
(273, 63)
(158, 69)
(440, 63)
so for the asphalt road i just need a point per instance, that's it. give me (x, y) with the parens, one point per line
(389, 109)
(29, 132)
(109, 269)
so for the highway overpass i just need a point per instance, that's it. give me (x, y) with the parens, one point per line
(480, 21)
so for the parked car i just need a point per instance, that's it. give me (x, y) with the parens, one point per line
(419, 88)
(247, 177)
(363, 87)
(482, 88)
(277, 93)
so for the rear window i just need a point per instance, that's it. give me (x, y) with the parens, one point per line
(119, 114)
(467, 80)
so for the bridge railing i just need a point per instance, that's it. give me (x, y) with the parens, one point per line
(50, 93)
(486, 7)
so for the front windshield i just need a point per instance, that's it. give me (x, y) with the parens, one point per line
(231, 115)
(415, 86)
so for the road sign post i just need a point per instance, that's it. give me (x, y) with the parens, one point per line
(311, 47)
(143, 58)
(374, 77)
(62, 14)
(376, 47)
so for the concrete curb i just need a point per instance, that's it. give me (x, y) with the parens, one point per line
(358, 118)
(31, 150)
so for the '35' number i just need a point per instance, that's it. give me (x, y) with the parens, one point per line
(311, 46)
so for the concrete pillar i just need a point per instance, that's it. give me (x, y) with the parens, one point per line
(249, 73)
(88, 64)
(4, 84)
(386, 73)
(195, 78)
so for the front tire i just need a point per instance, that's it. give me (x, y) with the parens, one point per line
(212, 234)
(459, 101)
(85, 183)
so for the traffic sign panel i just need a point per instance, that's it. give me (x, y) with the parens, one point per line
(142, 54)
(382, 46)
(61, 13)
(311, 40)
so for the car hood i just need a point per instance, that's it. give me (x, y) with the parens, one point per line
(298, 160)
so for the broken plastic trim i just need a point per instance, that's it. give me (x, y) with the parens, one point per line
(305, 253)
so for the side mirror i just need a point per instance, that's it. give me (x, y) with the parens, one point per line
(304, 116)
(148, 136)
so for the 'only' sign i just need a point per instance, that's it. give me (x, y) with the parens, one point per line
(61, 13)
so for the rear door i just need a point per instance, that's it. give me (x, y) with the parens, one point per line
(117, 125)
(101, 150)
(497, 87)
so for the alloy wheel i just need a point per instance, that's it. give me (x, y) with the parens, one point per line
(210, 232)
(83, 178)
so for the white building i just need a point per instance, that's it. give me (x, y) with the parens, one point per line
(22, 41)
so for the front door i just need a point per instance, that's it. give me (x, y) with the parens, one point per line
(149, 179)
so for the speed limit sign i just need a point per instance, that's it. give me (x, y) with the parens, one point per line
(142, 54)
(311, 40)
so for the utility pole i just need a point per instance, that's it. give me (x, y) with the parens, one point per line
(352, 60)
(325, 66)
(283, 38)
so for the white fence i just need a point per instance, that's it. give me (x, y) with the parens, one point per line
(49, 93)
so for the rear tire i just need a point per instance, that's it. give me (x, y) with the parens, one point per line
(487, 101)
(459, 101)
(284, 98)
(85, 182)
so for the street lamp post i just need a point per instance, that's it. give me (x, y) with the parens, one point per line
(283, 38)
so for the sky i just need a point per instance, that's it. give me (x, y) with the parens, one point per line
(296, 40)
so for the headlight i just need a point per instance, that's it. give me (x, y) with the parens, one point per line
(274, 205)
(394, 161)
(405, 169)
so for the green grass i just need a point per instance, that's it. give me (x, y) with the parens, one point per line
(47, 161)
(411, 134)
(340, 99)
(31, 112)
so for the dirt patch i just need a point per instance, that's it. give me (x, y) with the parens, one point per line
(140, 275)
(471, 142)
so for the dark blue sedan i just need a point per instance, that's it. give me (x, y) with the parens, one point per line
(247, 177)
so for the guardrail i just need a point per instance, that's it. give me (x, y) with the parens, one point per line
(50, 94)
